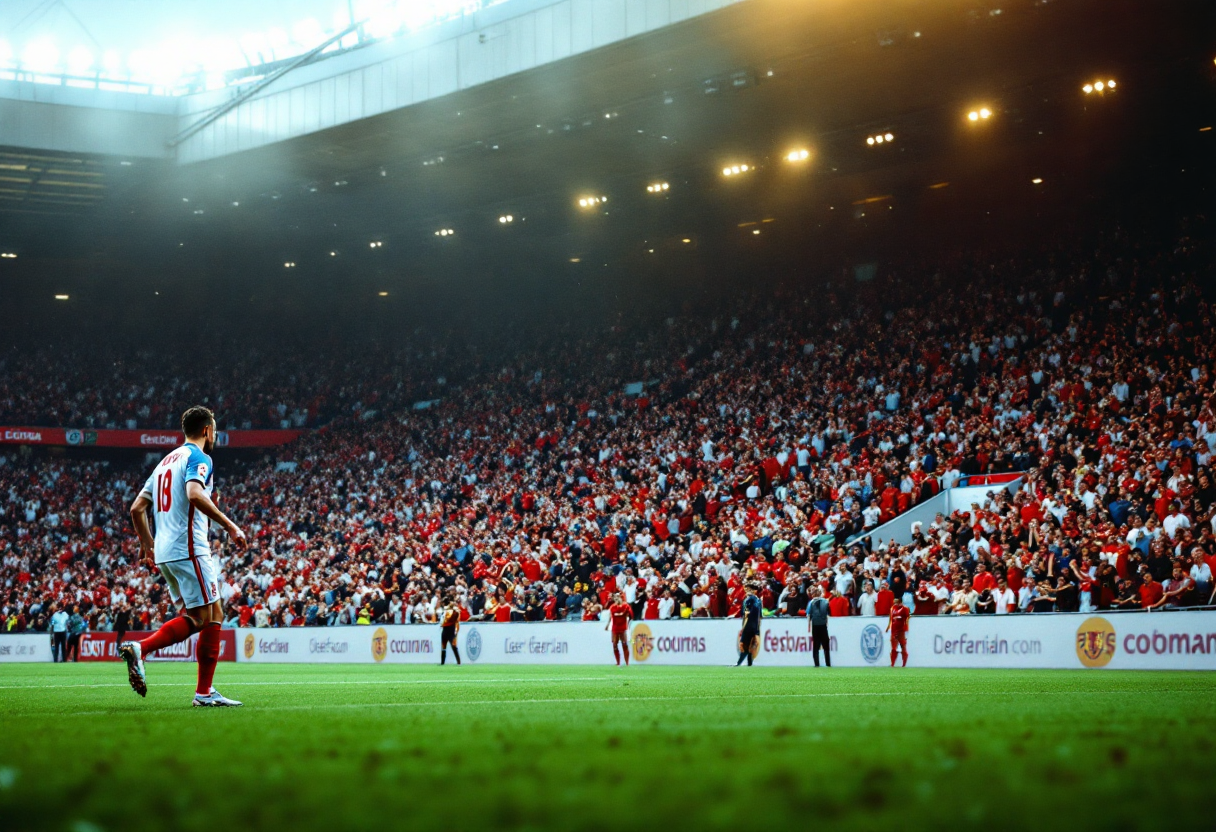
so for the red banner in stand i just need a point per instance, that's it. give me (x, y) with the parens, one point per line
(151, 439)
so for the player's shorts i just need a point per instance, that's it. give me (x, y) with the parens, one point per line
(193, 582)
(447, 635)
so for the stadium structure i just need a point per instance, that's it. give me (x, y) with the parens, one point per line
(566, 364)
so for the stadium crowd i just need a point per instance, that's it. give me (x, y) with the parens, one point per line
(757, 445)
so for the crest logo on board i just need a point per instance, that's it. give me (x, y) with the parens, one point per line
(472, 644)
(250, 645)
(379, 644)
(641, 642)
(871, 643)
(1096, 642)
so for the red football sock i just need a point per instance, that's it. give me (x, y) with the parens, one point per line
(905, 664)
(616, 651)
(893, 655)
(626, 652)
(171, 632)
(208, 654)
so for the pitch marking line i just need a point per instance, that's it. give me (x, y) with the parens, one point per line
(629, 699)
(316, 682)
(709, 697)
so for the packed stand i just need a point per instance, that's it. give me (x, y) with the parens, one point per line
(764, 446)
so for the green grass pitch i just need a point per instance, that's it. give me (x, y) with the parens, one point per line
(599, 748)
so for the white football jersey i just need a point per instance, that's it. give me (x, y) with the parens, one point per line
(181, 532)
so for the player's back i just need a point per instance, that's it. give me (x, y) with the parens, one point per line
(181, 532)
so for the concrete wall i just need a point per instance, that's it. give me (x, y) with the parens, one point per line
(46, 117)
(945, 502)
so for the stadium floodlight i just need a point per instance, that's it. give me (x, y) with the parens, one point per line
(889, 137)
(506, 219)
(80, 61)
(444, 232)
(591, 201)
(383, 294)
(375, 244)
(1036, 181)
(800, 155)
(61, 297)
(981, 114)
(735, 170)
(657, 188)
(41, 56)
(385, 22)
(308, 33)
(279, 43)
(290, 264)
(756, 231)
(8, 255)
(1099, 86)
(111, 64)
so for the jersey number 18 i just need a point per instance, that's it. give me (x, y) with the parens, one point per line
(164, 487)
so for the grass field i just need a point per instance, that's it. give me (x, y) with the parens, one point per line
(592, 747)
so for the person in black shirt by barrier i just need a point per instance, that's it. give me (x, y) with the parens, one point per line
(751, 627)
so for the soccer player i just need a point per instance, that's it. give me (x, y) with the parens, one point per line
(451, 626)
(179, 494)
(897, 626)
(750, 612)
(619, 616)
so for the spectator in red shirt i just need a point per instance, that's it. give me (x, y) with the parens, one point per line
(839, 606)
(886, 599)
(983, 578)
(1151, 592)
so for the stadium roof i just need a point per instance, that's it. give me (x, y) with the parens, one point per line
(675, 106)
(176, 46)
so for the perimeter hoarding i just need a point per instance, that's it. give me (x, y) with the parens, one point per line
(340, 645)
(1149, 641)
(1137, 641)
(150, 439)
(103, 647)
(25, 647)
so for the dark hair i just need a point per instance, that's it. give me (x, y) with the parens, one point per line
(196, 419)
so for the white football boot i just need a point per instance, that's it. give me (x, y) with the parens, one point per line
(214, 699)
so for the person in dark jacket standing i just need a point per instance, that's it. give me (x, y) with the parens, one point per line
(750, 634)
(817, 613)
(122, 623)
